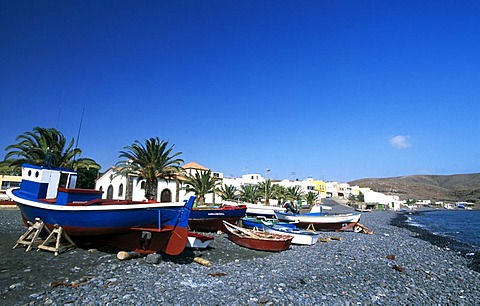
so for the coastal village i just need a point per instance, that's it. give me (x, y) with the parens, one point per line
(244, 153)
(115, 187)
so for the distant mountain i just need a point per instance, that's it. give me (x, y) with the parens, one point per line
(458, 187)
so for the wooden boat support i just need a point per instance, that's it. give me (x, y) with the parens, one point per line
(32, 234)
(55, 236)
(123, 255)
(202, 261)
(360, 228)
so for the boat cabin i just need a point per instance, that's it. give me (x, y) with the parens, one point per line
(53, 183)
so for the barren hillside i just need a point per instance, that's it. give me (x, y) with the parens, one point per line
(458, 187)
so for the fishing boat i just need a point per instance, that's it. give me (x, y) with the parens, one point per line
(263, 210)
(198, 241)
(321, 220)
(49, 194)
(300, 236)
(209, 219)
(257, 240)
(257, 222)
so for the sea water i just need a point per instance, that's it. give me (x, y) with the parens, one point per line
(460, 225)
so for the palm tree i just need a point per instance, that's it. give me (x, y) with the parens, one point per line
(7, 169)
(311, 197)
(201, 183)
(43, 146)
(48, 147)
(267, 188)
(279, 193)
(151, 161)
(227, 192)
(293, 193)
(249, 193)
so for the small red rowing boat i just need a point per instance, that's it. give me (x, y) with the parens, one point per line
(257, 240)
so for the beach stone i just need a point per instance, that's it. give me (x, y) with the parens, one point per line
(153, 258)
(354, 271)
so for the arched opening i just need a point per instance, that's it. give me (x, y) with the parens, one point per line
(166, 195)
(110, 192)
(120, 190)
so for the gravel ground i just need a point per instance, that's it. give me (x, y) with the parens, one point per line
(394, 266)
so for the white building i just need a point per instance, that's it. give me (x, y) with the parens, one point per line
(7, 182)
(390, 202)
(117, 186)
(246, 179)
(331, 189)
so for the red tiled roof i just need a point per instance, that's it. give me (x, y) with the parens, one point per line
(194, 165)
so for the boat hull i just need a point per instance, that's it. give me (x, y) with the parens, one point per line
(211, 219)
(77, 221)
(302, 237)
(340, 222)
(262, 210)
(259, 240)
(170, 240)
(256, 223)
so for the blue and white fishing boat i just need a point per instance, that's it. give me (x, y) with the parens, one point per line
(300, 236)
(257, 222)
(49, 194)
(210, 219)
(263, 210)
(318, 220)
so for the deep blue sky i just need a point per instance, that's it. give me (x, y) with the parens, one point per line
(336, 90)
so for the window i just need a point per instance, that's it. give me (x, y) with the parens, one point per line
(120, 190)
(7, 185)
(142, 185)
(63, 180)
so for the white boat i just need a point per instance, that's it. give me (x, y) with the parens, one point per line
(263, 210)
(198, 241)
(300, 236)
(321, 221)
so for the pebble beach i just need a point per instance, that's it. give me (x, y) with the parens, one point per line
(393, 266)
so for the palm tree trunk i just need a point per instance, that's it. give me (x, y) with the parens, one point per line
(128, 187)
(177, 191)
(151, 190)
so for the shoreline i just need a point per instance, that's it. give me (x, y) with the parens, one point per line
(461, 248)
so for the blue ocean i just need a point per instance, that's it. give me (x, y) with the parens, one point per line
(460, 225)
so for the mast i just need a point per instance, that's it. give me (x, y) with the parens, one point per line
(79, 128)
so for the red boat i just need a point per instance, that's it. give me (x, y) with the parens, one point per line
(257, 240)
(209, 219)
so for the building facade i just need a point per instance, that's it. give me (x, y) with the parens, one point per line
(7, 182)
